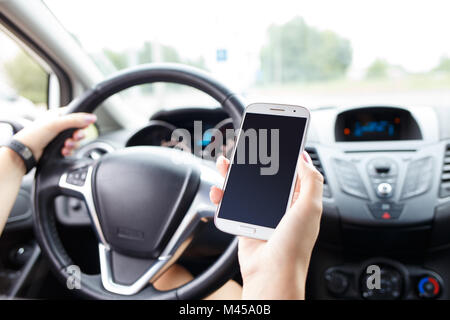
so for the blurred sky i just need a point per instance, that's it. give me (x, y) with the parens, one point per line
(413, 34)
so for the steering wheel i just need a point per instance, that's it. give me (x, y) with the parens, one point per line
(144, 207)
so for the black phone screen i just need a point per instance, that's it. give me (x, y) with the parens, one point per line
(257, 190)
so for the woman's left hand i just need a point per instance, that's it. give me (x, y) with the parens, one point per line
(41, 132)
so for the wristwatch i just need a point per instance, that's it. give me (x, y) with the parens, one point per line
(24, 152)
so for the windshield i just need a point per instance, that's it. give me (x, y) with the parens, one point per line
(312, 53)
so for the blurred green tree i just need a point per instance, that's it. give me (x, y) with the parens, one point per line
(297, 52)
(444, 65)
(378, 69)
(118, 59)
(168, 54)
(27, 77)
(147, 54)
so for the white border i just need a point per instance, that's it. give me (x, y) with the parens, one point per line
(260, 232)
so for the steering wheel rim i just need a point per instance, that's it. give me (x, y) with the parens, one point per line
(53, 166)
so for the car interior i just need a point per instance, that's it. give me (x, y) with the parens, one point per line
(383, 150)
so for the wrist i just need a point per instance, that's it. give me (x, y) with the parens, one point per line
(13, 158)
(281, 283)
(23, 152)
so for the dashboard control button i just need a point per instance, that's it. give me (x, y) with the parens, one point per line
(385, 210)
(386, 216)
(337, 282)
(384, 190)
(428, 287)
(383, 174)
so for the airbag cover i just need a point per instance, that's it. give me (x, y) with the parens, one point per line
(141, 194)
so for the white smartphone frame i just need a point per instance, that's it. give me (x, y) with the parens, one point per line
(251, 230)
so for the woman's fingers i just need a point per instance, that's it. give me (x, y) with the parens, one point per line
(38, 135)
(72, 143)
(307, 157)
(66, 152)
(78, 135)
(69, 146)
(310, 195)
(72, 120)
(222, 165)
(304, 157)
(69, 143)
(215, 195)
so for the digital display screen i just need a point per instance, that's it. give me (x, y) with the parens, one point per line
(376, 124)
(251, 197)
(383, 127)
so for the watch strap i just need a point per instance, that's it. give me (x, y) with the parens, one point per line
(24, 152)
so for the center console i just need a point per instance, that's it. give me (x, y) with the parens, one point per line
(386, 204)
(396, 281)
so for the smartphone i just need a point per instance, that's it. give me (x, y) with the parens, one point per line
(260, 183)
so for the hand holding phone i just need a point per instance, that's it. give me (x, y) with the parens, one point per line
(260, 183)
(277, 268)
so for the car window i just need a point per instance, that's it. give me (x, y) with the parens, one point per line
(23, 82)
(313, 53)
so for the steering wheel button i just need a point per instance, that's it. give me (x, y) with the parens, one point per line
(77, 177)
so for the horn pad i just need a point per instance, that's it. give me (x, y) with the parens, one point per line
(141, 194)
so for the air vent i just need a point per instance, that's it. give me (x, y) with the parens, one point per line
(445, 177)
(316, 161)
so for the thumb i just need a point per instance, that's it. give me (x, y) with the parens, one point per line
(299, 227)
(307, 209)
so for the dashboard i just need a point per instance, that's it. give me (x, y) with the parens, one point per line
(386, 197)
(386, 194)
(382, 164)
(203, 126)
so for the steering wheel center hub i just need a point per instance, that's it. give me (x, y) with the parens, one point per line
(158, 194)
